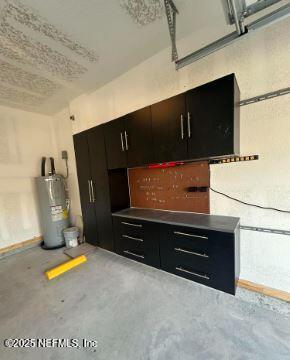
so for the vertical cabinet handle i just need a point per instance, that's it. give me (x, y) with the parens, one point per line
(90, 194)
(93, 191)
(126, 140)
(122, 142)
(189, 125)
(182, 126)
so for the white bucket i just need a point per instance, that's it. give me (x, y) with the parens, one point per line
(71, 235)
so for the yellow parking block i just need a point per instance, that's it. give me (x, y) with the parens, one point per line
(58, 270)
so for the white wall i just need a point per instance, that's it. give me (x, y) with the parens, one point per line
(24, 138)
(62, 126)
(261, 64)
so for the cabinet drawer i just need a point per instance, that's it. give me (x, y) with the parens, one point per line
(181, 256)
(137, 240)
(130, 242)
(206, 249)
(135, 255)
(191, 239)
(204, 256)
(147, 252)
(131, 228)
(223, 281)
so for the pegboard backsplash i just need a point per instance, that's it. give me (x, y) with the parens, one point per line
(169, 188)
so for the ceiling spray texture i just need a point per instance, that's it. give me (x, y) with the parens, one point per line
(144, 12)
(18, 46)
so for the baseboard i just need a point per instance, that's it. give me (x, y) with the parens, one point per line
(23, 245)
(278, 294)
(265, 290)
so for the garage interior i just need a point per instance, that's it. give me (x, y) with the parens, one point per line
(144, 198)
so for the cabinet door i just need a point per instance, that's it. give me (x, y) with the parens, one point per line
(169, 129)
(100, 187)
(115, 144)
(84, 178)
(211, 113)
(138, 137)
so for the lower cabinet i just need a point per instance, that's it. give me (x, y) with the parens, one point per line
(205, 256)
(137, 240)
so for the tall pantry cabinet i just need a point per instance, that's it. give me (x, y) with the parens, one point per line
(94, 187)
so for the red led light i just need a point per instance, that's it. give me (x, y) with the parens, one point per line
(165, 165)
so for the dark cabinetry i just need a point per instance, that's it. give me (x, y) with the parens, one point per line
(200, 123)
(100, 185)
(129, 140)
(94, 187)
(169, 129)
(213, 119)
(139, 137)
(206, 256)
(85, 187)
(119, 190)
(115, 143)
(137, 240)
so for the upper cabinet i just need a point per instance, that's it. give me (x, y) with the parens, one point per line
(200, 123)
(138, 137)
(115, 140)
(213, 119)
(169, 129)
(129, 140)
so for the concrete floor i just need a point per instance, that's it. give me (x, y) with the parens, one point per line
(133, 311)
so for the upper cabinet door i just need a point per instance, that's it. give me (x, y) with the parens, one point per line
(100, 187)
(213, 119)
(115, 144)
(85, 187)
(169, 129)
(138, 137)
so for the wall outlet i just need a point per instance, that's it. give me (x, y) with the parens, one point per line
(64, 155)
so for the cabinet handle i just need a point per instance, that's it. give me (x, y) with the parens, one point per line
(122, 142)
(188, 125)
(192, 273)
(93, 191)
(133, 254)
(126, 140)
(90, 194)
(132, 238)
(190, 235)
(182, 126)
(191, 252)
(130, 224)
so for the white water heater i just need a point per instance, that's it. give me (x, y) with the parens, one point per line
(53, 204)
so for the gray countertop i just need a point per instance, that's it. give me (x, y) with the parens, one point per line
(195, 220)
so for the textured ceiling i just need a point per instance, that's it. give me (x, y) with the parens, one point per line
(144, 12)
(52, 51)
